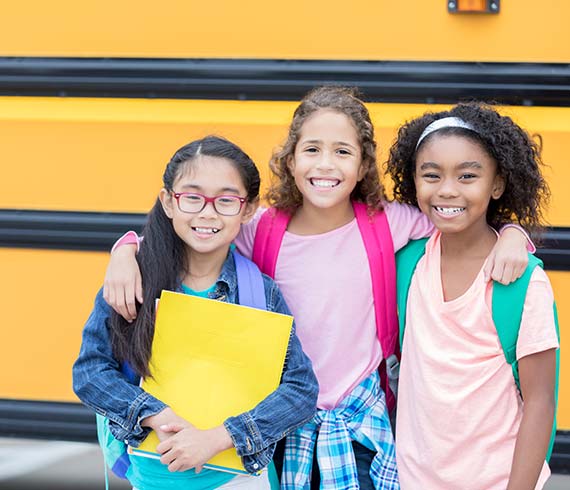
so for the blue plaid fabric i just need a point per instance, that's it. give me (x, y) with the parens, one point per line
(363, 417)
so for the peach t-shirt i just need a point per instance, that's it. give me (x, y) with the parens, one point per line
(459, 410)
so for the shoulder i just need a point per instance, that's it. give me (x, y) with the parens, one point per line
(406, 223)
(538, 326)
(539, 288)
(245, 240)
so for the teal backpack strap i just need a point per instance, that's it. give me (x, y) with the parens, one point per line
(508, 304)
(407, 259)
(508, 319)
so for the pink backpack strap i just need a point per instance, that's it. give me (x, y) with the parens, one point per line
(268, 237)
(377, 238)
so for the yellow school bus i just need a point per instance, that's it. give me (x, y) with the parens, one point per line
(95, 97)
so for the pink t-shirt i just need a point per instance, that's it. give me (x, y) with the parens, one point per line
(459, 410)
(326, 282)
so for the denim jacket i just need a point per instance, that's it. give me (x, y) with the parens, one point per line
(99, 384)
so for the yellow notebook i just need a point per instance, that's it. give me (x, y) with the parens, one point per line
(211, 360)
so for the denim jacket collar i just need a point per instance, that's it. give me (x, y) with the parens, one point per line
(226, 282)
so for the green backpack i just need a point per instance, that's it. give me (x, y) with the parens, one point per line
(508, 303)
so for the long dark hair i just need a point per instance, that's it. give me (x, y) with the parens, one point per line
(162, 256)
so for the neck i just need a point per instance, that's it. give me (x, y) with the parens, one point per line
(310, 220)
(204, 269)
(477, 242)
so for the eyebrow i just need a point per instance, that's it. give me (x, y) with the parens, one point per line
(462, 165)
(340, 143)
(223, 190)
(473, 164)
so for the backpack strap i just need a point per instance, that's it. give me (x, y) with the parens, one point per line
(508, 305)
(508, 320)
(251, 291)
(407, 259)
(268, 237)
(377, 238)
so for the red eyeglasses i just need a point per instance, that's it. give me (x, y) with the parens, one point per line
(192, 202)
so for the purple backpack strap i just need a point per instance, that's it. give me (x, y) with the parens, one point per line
(268, 237)
(251, 291)
(377, 238)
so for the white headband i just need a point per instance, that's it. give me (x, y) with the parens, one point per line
(446, 122)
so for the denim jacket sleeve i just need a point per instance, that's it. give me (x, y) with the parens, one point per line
(100, 384)
(294, 402)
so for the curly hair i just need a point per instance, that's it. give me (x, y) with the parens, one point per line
(283, 192)
(516, 154)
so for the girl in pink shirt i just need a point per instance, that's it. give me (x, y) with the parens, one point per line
(461, 422)
(327, 164)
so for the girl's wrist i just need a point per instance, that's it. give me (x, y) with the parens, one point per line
(529, 243)
(222, 438)
(156, 420)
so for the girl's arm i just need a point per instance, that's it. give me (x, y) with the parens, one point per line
(123, 283)
(509, 257)
(254, 433)
(99, 383)
(190, 447)
(506, 263)
(537, 377)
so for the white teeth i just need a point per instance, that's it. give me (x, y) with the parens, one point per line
(324, 183)
(206, 230)
(449, 211)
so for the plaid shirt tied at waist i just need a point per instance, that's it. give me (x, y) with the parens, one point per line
(363, 417)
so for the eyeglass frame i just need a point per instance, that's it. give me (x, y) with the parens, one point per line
(178, 195)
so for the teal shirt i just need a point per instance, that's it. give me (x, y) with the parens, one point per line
(151, 474)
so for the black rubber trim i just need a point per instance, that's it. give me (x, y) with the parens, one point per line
(98, 231)
(266, 79)
(74, 422)
(65, 230)
(47, 420)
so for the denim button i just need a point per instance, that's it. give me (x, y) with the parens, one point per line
(255, 466)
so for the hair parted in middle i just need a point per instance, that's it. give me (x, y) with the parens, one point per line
(162, 257)
(283, 193)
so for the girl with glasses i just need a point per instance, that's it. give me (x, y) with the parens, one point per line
(210, 188)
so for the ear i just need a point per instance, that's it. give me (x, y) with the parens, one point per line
(291, 163)
(167, 202)
(250, 209)
(362, 170)
(498, 187)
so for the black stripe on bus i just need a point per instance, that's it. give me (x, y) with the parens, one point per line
(545, 84)
(47, 420)
(64, 230)
(74, 422)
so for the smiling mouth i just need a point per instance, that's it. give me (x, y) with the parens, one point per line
(200, 229)
(324, 183)
(449, 211)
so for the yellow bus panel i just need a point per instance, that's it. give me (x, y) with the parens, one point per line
(523, 31)
(108, 155)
